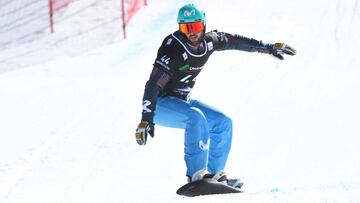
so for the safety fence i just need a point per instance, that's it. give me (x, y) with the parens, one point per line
(128, 10)
(30, 26)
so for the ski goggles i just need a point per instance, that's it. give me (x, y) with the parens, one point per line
(195, 27)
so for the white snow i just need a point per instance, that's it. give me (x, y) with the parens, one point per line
(67, 125)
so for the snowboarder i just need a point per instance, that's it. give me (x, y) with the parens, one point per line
(166, 101)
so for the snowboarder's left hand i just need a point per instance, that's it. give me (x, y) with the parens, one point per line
(279, 49)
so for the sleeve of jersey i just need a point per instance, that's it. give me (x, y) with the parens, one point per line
(226, 41)
(154, 85)
(165, 63)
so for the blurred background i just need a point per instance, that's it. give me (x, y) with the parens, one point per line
(52, 28)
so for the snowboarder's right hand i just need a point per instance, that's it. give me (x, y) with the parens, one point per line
(142, 131)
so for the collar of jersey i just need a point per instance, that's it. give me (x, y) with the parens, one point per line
(188, 51)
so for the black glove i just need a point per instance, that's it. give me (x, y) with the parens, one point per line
(278, 49)
(142, 131)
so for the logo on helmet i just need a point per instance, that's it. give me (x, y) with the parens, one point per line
(188, 13)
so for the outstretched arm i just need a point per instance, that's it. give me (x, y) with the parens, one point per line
(226, 41)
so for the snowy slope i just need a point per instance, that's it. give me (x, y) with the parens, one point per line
(67, 126)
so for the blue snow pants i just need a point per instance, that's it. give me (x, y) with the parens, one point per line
(208, 132)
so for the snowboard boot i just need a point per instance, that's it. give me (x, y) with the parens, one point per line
(219, 176)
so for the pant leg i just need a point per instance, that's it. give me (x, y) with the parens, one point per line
(177, 113)
(220, 132)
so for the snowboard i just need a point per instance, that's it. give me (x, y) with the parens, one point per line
(206, 186)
